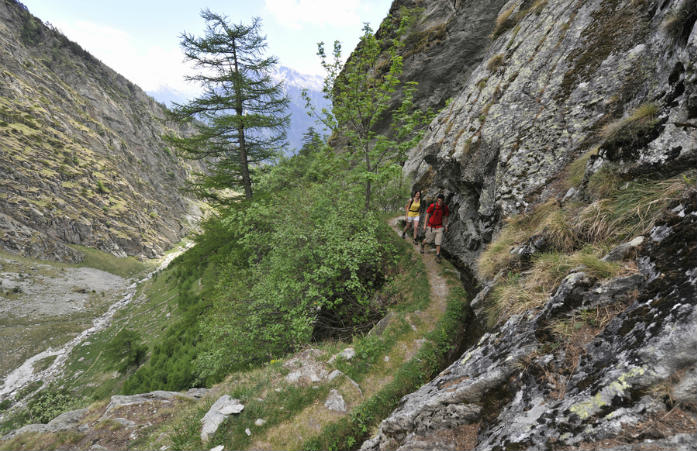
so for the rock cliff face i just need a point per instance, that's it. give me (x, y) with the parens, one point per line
(445, 43)
(557, 79)
(558, 72)
(82, 160)
(635, 382)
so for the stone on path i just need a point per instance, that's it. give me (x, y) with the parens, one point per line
(335, 402)
(219, 411)
(346, 354)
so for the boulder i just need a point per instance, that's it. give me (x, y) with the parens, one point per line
(335, 402)
(219, 411)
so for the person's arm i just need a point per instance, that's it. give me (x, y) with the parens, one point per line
(406, 208)
(428, 215)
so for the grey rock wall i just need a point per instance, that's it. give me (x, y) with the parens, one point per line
(555, 76)
(539, 99)
(505, 392)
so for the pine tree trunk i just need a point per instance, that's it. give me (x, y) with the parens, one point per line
(246, 181)
(244, 168)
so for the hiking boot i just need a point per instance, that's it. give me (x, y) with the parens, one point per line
(437, 258)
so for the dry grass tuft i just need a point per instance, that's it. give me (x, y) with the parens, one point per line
(538, 6)
(630, 131)
(576, 169)
(627, 210)
(621, 211)
(495, 62)
(643, 113)
(516, 230)
(520, 292)
(504, 21)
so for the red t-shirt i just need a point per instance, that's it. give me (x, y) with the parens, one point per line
(436, 213)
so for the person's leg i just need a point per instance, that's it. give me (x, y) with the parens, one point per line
(438, 240)
(416, 228)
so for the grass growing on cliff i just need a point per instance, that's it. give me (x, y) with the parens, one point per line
(630, 131)
(678, 23)
(518, 292)
(504, 21)
(620, 210)
(576, 235)
(624, 210)
(546, 218)
(495, 62)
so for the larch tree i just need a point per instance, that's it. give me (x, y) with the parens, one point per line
(240, 118)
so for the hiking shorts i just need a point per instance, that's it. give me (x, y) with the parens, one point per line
(412, 219)
(434, 235)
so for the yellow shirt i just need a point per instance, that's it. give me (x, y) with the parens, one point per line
(414, 209)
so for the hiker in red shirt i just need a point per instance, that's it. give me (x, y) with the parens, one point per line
(435, 224)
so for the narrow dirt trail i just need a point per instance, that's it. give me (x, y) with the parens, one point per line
(439, 286)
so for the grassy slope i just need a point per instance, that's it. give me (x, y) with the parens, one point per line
(89, 374)
(287, 407)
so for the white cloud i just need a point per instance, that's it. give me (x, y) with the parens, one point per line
(330, 13)
(152, 67)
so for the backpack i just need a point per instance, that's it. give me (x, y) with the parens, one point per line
(436, 208)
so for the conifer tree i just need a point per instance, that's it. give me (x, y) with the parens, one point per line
(240, 119)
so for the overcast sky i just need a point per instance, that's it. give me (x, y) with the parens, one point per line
(140, 39)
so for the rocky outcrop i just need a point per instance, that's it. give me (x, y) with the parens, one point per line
(82, 160)
(446, 41)
(557, 76)
(558, 81)
(632, 383)
(115, 425)
(219, 411)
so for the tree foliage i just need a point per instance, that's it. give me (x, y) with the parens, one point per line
(373, 113)
(126, 350)
(240, 119)
(311, 258)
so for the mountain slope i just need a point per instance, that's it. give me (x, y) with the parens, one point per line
(82, 160)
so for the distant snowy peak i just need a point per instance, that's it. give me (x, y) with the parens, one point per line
(295, 79)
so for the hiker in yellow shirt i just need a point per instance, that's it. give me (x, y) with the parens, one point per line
(413, 211)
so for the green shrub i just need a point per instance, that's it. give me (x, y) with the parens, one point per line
(126, 350)
(310, 261)
(101, 188)
(49, 404)
(300, 262)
